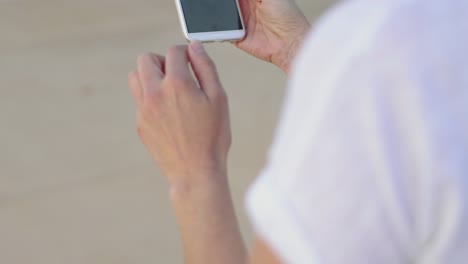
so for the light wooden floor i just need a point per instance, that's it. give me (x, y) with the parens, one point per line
(76, 186)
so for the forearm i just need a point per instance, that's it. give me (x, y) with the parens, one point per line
(184, 123)
(207, 220)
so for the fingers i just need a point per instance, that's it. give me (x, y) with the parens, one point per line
(153, 68)
(150, 72)
(135, 87)
(245, 5)
(159, 60)
(204, 69)
(177, 62)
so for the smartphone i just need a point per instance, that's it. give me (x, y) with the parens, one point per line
(211, 20)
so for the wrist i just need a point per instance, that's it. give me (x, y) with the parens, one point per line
(193, 168)
(206, 218)
(199, 179)
(292, 46)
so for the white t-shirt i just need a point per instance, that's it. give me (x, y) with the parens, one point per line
(370, 160)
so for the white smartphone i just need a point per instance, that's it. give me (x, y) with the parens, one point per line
(211, 20)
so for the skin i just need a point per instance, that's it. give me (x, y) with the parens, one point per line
(184, 124)
(275, 30)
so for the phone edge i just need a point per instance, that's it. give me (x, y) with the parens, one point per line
(183, 25)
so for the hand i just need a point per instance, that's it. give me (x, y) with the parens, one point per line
(275, 30)
(184, 123)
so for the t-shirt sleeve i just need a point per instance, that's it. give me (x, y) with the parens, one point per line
(369, 160)
(329, 193)
(334, 188)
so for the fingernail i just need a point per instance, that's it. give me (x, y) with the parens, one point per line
(197, 47)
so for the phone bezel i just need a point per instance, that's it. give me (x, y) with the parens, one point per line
(229, 35)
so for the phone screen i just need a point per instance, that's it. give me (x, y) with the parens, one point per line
(211, 15)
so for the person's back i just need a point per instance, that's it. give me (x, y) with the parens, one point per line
(370, 163)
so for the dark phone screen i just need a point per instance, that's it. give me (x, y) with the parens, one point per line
(211, 15)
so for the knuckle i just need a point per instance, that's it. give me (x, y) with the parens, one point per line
(185, 81)
(176, 49)
(148, 79)
(143, 57)
(180, 81)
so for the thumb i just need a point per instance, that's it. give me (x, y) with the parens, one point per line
(204, 69)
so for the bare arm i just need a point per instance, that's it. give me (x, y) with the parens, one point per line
(184, 123)
(207, 222)
(208, 225)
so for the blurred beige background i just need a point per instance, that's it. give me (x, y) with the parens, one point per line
(76, 186)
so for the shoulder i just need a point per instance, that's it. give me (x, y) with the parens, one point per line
(368, 107)
(370, 42)
(354, 43)
(355, 30)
